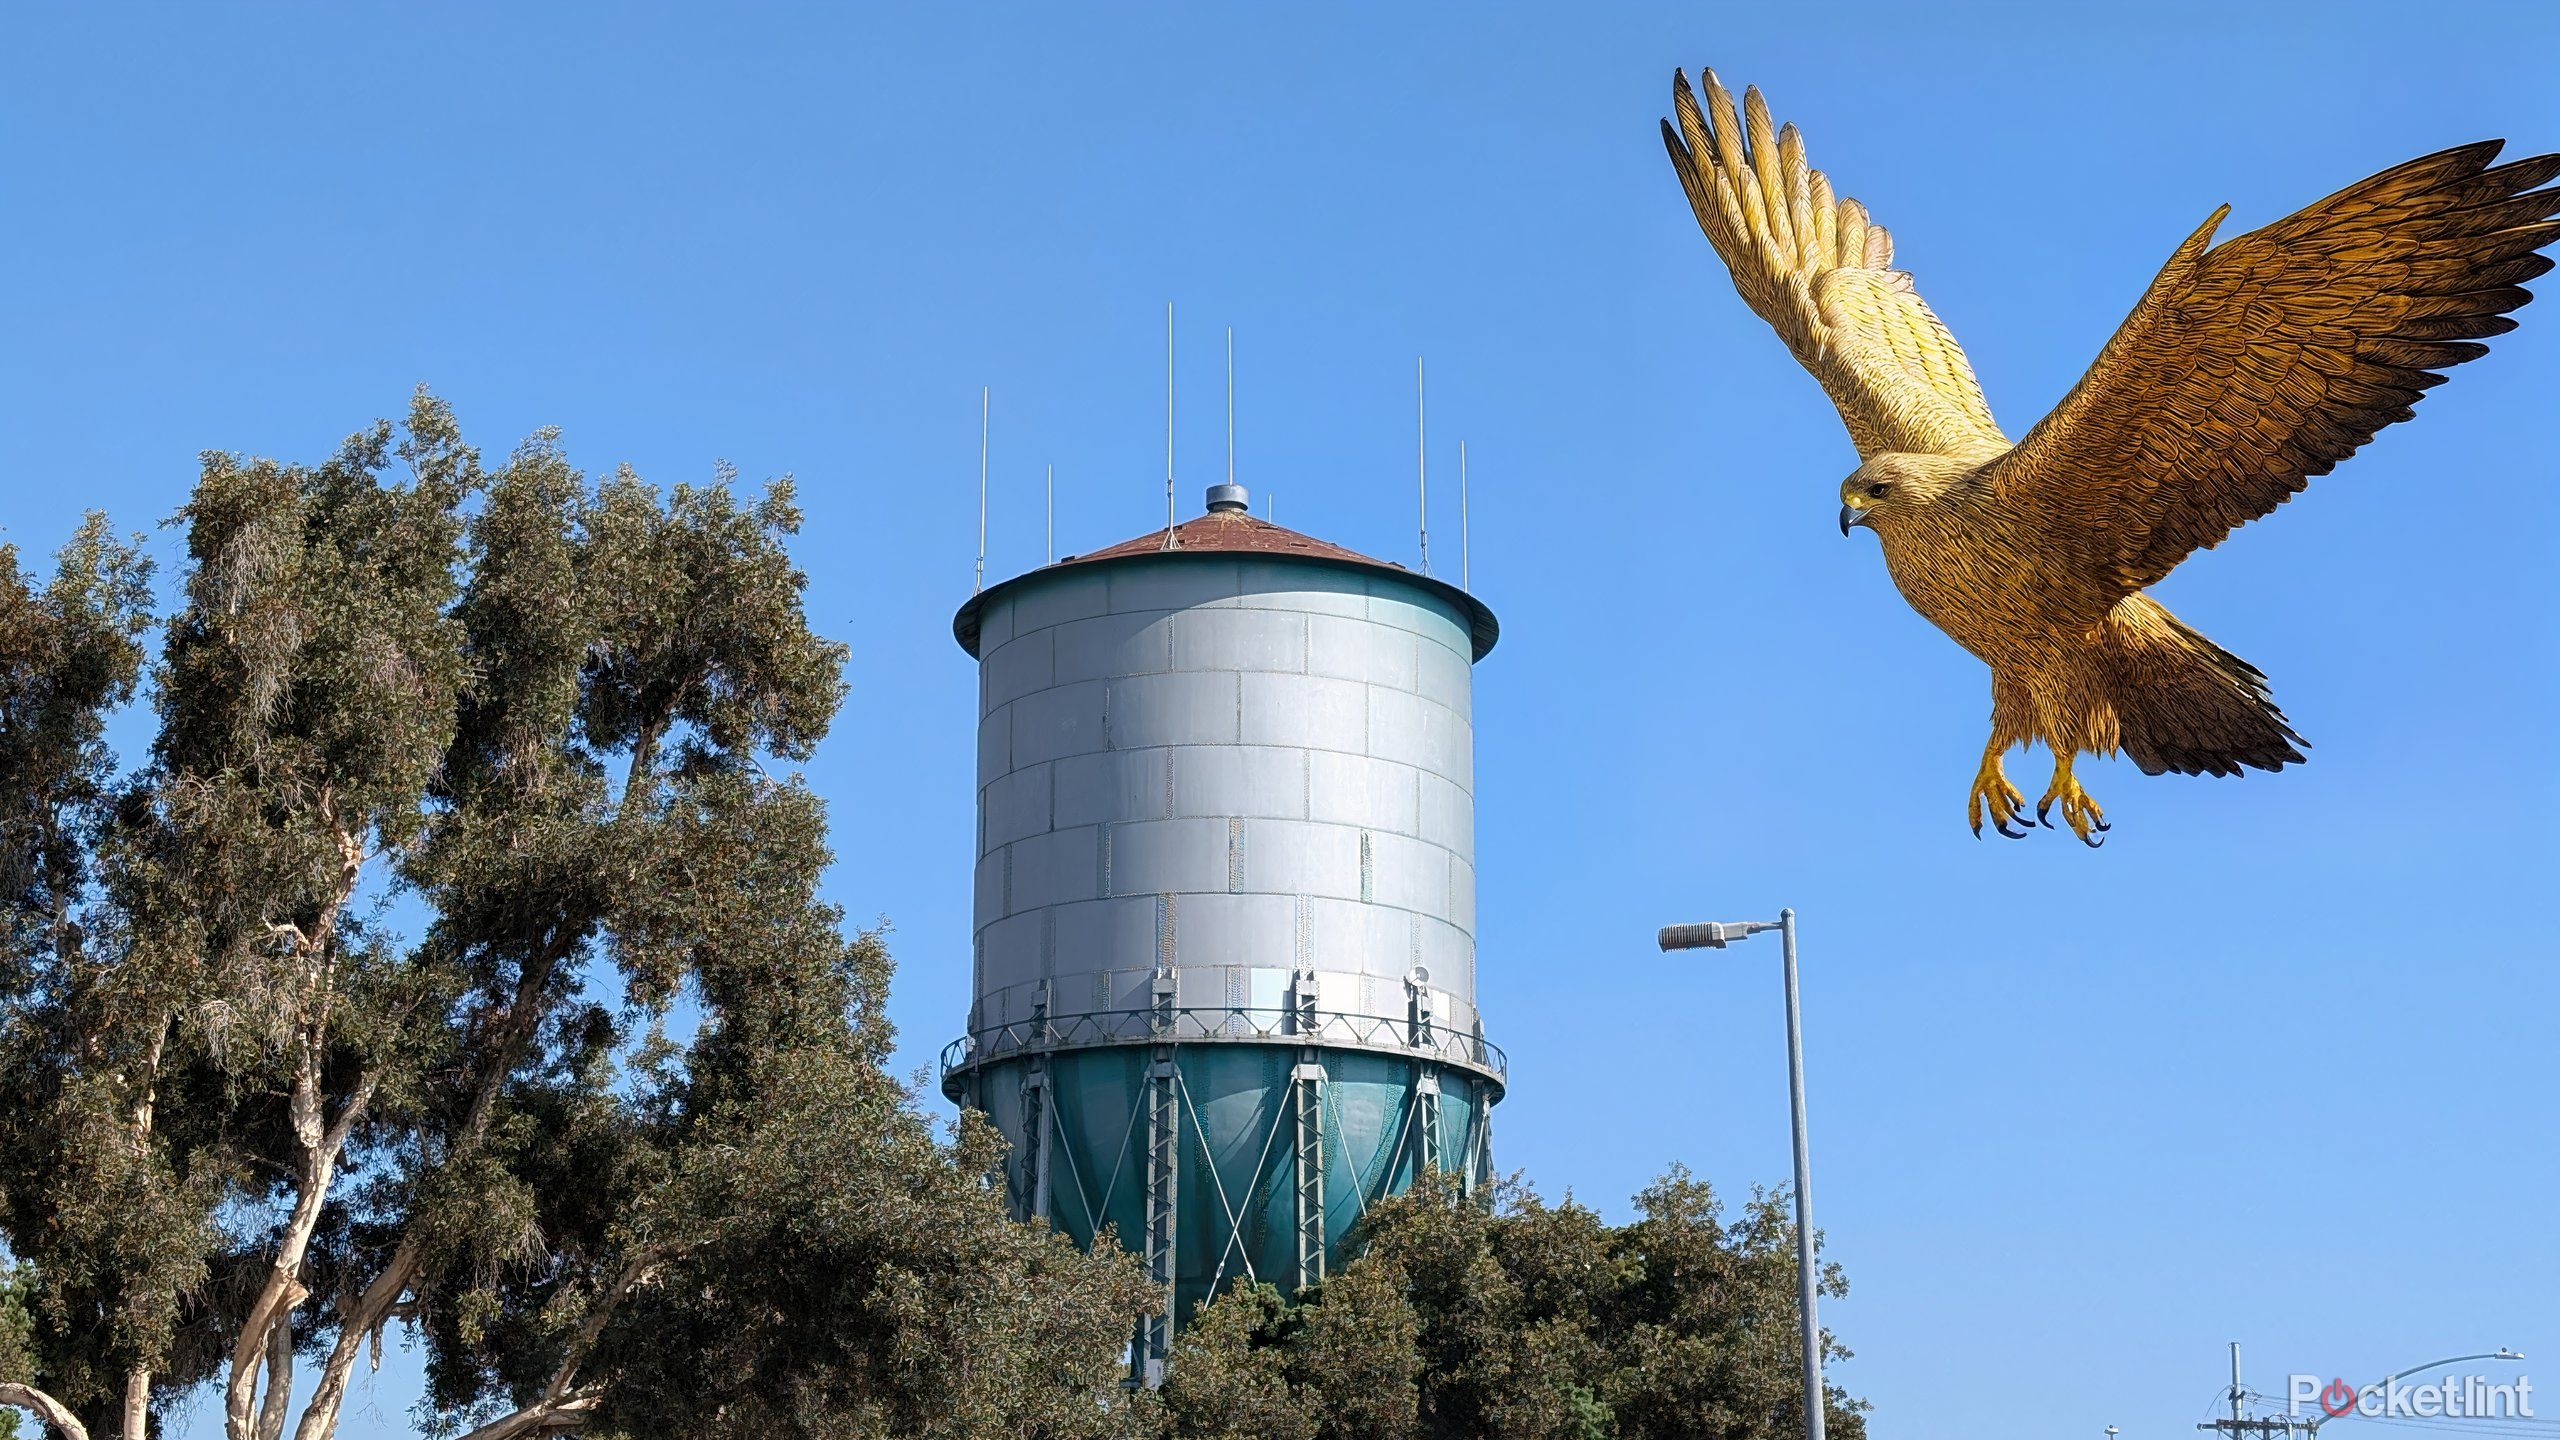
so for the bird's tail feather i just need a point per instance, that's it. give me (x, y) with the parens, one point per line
(2186, 704)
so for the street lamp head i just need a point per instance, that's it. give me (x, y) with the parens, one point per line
(2506, 1354)
(1710, 936)
(1692, 937)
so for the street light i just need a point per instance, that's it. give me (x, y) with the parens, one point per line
(2501, 1353)
(1716, 937)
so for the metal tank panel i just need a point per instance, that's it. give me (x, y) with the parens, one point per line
(1241, 768)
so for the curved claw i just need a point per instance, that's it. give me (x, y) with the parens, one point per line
(2003, 824)
(2041, 817)
(2101, 825)
(2095, 842)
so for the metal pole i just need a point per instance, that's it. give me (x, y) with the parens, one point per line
(979, 582)
(1805, 1275)
(1465, 580)
(2235, 1383)
(1421, 468)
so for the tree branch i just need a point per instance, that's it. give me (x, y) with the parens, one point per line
(283, 1288)
(569, 1412)
(322, 1145)
(365, 1315)
(642, 1265)
(51, 1411)
(372, 1308)
(564, 1405)
(357, 1323)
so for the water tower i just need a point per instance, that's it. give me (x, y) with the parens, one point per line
(1225, 950)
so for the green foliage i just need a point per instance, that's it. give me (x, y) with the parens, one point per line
(1228, 1376)
(17, 1339)
(1527, 1322)
(357, 1005)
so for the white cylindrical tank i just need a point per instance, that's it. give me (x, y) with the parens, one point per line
(1239, 766)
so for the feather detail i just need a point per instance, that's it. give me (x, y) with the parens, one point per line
(2250, 366)
(1817, 268)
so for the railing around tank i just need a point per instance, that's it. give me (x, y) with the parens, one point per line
(1398, 1034)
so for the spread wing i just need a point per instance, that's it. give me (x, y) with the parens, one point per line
(2247, 368)
(1822, 276)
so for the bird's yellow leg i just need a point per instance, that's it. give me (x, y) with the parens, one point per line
(2079, 811)
(1993, 792)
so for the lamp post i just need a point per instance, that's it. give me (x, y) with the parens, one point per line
(2501, 1353)
(1716, 937)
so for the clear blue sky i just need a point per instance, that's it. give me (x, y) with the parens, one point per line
(2275, 1066)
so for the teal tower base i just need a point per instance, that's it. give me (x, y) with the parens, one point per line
(1224, 1157)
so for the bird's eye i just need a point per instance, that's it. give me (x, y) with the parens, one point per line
(1876, 491)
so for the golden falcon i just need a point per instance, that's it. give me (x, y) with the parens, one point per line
(2245, 369)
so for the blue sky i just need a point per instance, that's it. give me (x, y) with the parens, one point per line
(2275, 1066)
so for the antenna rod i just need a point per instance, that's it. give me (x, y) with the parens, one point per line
(980, 582)
(1421, 472)
(1168, 424)
(1231, 404)
(1049, 535)
(1463, 576)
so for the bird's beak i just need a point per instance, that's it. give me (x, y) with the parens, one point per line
(1851, 515)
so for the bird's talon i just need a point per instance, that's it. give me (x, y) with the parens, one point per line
(2095, 842)
(1998, 801)
(2101, 825)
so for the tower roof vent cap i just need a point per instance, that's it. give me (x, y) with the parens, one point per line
(1227, 498)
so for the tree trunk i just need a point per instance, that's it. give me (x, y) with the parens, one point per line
(283, 1288)
(137, 1404)
(279, 1377)
(322, 1144)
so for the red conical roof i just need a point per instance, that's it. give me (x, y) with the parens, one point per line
(1234, 532)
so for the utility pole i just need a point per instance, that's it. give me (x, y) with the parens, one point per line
(2239, 1425)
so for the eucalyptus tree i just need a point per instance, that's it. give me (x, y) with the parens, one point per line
(454, 965)
(1523, 1321)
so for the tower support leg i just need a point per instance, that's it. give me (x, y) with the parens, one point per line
(1306, 1091)
(1426, 1102)
(1480, 1163)
(1032, 1202)
(1164, 1134)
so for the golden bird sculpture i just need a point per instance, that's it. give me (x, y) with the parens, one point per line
(2245, 369)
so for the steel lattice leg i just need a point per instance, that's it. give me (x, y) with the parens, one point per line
(1306, 1086)
(1426, 1100)
(1163, 1156)
(1033, 1201)
(1481, 1163)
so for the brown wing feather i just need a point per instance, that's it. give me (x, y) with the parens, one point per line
(2247, 368)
